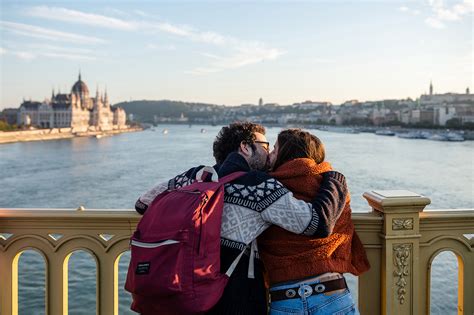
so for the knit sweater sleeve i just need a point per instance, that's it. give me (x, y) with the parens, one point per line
(313, 219)
(328, 204)
(181, 180)
(286, 211)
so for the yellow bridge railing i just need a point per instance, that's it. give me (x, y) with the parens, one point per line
(400, 238)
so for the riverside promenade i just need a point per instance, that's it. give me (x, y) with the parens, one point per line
(57, 133)
(400, 237)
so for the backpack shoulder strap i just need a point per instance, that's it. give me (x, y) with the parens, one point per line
(251, 269)
(235, 262)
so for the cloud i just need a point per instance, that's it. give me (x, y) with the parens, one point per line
(116, 11)
(24, 55)
(141, 13)
(48, 34)
(409, 10)
(241, 52)
(322, 60)
(434, 23)
(172, 29)
(79, 17)
(33, 51)
(67, 56)
(67, 15)
(211, 38)
(442, 13)
(453, 12)
(245, 55)
(212, 56)
(62, 49)
(161, 47)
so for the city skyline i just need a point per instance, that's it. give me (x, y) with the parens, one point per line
(224, 53)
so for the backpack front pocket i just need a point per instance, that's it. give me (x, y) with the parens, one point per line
(156, 268)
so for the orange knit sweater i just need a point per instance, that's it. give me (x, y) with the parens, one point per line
(287, 256)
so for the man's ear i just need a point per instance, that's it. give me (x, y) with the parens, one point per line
(245, 149)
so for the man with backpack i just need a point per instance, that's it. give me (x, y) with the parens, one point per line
(252, 202)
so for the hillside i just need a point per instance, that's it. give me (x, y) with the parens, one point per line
(145, 111)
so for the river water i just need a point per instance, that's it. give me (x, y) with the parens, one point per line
(112, 172)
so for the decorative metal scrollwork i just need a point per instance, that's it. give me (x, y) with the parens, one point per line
(401, 260)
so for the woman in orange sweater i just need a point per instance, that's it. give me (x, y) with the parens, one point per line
(305, 273)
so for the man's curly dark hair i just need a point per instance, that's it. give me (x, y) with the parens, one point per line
(229, 138)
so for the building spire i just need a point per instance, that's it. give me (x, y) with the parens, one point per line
(431, 87)
(106, 96)
(79, 74)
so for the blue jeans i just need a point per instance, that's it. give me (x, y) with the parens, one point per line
(318, 304)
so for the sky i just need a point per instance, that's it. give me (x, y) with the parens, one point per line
(235, 52)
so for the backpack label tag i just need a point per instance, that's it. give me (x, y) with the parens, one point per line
(143, 268)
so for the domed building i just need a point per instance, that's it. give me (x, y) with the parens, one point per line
(80, 88)
(76, 110)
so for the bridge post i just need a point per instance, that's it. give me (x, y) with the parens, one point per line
(400, 281)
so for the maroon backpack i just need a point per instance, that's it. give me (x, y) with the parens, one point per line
(175, 251)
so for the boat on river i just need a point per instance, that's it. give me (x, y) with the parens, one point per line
(385, 132)
(411, 135)
(340, 129)
(449, 136)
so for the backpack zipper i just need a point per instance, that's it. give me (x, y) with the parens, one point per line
(203, 203)
(196, 192)
(152, 245)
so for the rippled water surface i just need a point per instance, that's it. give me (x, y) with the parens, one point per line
(112, 172)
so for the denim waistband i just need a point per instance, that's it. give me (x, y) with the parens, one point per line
(311, 280)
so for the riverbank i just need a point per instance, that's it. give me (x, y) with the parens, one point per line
(438, 134)
(57, 133)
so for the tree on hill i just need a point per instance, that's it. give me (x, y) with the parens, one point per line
(145, 111)
(4, 126)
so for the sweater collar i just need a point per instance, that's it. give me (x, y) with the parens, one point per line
(299, 168)
(233, 163)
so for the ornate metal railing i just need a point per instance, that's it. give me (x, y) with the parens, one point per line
(401, 242)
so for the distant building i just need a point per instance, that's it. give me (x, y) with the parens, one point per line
(182, 118)
(405, 116)
(76, 110)
(260, 102)
(379, 113)
(350, 103)
(311, 105)
(443, 114)
(422, 116)
(447, 98)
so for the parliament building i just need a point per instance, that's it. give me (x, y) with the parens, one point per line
(76, 110)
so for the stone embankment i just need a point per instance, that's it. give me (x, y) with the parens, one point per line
(56, 133)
